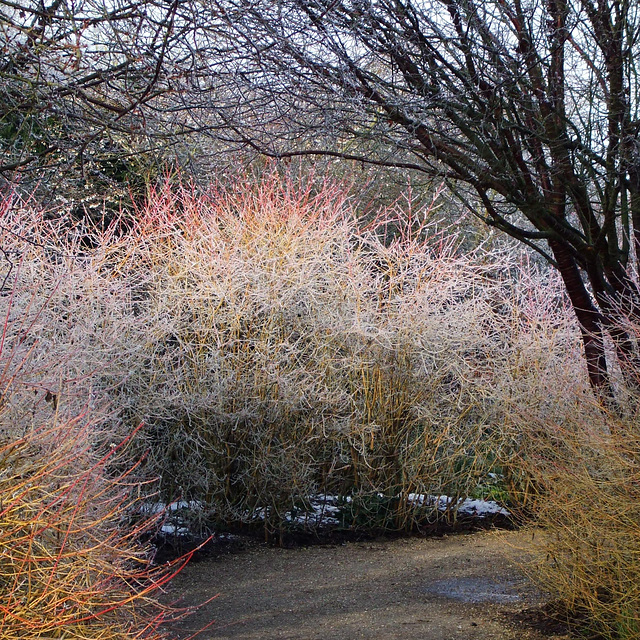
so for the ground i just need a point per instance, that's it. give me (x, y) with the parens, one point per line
(458, 587)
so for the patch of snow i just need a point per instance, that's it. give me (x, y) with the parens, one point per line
(320, 513)
(153, 508)
(323, 511)
(174, 530)
(173, 524)
(466, 506)
(481, 508)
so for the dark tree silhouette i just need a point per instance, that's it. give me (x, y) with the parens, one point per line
(81, 82)
(531, 104)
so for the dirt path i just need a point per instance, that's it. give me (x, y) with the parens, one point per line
(457, 587)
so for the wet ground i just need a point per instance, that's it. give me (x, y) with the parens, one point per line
(464, 587)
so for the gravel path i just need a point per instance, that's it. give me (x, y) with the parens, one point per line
(463, 587)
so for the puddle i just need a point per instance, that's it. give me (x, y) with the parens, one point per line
(475, 590)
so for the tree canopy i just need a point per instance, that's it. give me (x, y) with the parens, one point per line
(85, 85)
(532, 105)
(527, 109)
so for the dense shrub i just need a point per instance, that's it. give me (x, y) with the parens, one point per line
(275, 349)
(71, 561)
(70, 566)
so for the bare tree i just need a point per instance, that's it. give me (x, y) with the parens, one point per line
(530, 104)
(82, 83)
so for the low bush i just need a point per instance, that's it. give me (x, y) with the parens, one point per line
(584, 492)
(71, 562)
(71, 566)
(288, 352)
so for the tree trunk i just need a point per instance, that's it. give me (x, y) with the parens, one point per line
(589, 319)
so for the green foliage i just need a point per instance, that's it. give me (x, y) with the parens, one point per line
(377, 512)
(493, 487)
